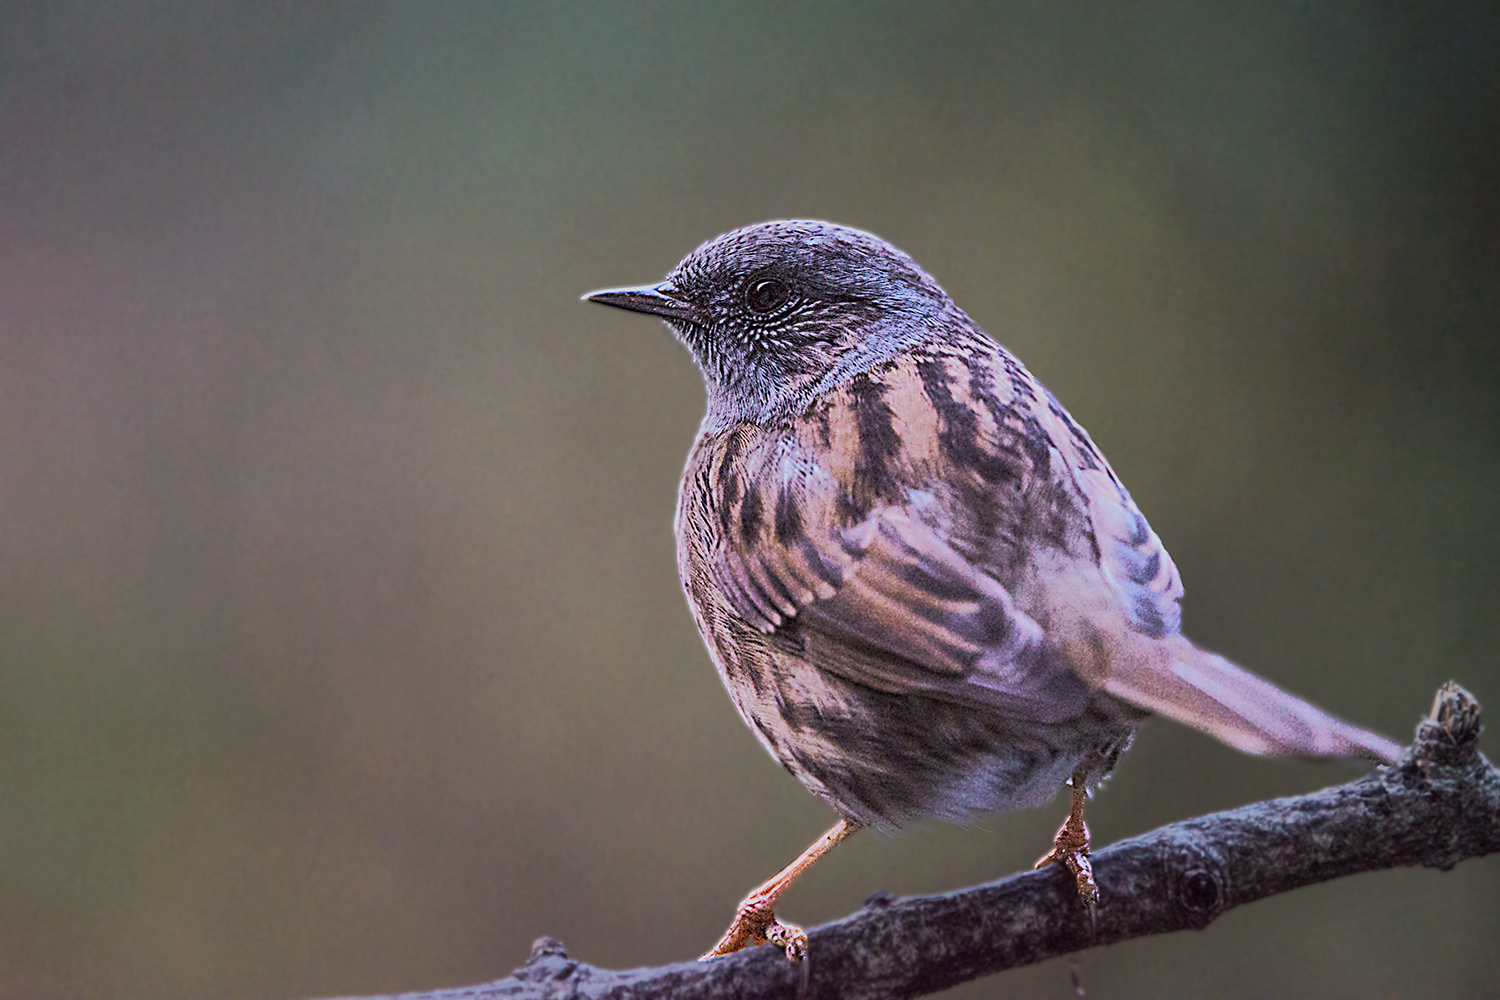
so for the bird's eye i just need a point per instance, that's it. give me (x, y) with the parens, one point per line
(766, 294)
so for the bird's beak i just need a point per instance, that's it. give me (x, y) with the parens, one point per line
(662, 300)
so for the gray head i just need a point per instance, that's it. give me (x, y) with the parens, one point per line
(776, 312)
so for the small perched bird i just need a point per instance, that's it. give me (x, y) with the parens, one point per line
(925, 589)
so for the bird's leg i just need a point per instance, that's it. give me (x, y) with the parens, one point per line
(1072, 845)
(755, 923)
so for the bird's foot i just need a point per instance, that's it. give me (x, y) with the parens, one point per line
(1071, 848)
(756, 923)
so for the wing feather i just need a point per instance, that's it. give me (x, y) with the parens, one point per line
(1133, 558)
(910, 615)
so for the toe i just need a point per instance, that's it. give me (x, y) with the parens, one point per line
(789, 937)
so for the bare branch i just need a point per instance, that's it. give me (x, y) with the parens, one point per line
(1438, 805)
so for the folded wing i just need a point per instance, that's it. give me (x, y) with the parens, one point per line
(889, 604)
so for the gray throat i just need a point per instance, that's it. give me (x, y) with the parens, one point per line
(762, 401)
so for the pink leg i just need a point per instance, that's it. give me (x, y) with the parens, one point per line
(755, 923)
(1072, 845)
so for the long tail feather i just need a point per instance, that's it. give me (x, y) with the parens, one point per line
(1206, 691)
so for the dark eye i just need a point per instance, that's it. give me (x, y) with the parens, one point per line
(766, 294)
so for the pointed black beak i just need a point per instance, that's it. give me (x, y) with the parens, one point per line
(662, 300)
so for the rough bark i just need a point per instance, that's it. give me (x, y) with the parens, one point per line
(1436, 806)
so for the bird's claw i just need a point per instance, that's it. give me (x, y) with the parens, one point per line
(789, 937)
(756, 923)
(1071, 848)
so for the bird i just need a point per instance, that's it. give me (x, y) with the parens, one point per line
(925, 589)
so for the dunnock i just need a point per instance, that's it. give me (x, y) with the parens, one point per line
(924, 587)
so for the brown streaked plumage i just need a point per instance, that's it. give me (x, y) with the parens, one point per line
(923, 586)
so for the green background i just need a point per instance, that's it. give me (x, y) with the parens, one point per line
(341, 646)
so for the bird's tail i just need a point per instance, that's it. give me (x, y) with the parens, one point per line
(1206, 691)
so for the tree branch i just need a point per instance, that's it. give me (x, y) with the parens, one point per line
(1436, 806)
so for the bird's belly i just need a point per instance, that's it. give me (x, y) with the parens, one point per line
(884, 758)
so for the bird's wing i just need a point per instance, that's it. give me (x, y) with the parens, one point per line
(889, 604)
(829, 533)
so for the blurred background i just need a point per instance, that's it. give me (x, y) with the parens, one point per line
(341, 645)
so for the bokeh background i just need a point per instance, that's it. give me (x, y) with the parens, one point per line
(341, 647)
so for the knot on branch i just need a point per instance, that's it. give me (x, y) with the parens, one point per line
(1197, 877)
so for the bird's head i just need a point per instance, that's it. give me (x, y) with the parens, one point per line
(774, 313)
